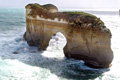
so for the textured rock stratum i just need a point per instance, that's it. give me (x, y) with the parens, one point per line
(87, 37)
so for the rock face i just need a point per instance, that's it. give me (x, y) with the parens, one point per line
(87, 37)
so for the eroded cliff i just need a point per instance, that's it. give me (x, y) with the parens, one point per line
(87, 37)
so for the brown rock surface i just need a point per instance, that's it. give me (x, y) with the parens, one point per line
(87, 37)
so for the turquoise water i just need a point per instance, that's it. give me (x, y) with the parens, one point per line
(31, 64)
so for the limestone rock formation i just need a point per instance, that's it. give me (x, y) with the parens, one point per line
(87, 37)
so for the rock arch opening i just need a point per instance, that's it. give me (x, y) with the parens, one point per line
(55, 46)
(57, 41)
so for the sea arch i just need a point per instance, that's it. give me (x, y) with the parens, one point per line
(87, 37)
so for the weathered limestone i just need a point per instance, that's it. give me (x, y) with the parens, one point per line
(87, 37)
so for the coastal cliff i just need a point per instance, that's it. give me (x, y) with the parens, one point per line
(87, 37)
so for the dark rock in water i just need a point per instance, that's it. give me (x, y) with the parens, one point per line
(87, 37)
(15, 53)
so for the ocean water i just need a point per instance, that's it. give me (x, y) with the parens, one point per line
(31, 64)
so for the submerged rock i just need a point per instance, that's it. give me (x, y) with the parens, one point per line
(87, 37)
(15, 52)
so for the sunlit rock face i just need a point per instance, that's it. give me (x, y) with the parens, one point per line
(87, 37)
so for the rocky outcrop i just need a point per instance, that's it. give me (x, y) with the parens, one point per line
(87, 37)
